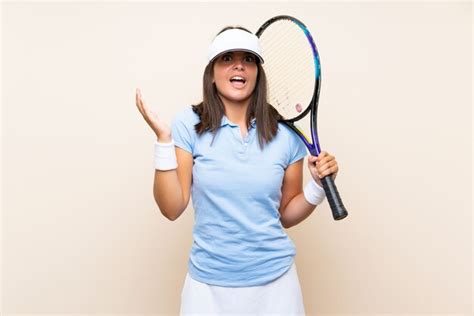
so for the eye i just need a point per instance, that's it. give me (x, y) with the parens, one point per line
(226, 57)
(249, 59)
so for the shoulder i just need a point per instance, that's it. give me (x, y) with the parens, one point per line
(187, 116)
(294, 146)
(286, 132)
(183, 130)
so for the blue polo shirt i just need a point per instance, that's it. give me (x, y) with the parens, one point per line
(238, 239)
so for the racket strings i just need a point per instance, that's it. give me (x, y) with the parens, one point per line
(289, 66)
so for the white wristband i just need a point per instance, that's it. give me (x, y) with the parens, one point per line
(165, 156)
(313, 193)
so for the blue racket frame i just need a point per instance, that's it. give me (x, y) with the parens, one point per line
(337, 207)
(313, 145)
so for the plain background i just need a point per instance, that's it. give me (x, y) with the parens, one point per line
(81, 233)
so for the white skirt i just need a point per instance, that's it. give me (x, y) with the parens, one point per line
(280, 297)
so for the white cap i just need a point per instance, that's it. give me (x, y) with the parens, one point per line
(234, 40)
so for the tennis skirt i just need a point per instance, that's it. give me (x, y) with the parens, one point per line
(280, 297)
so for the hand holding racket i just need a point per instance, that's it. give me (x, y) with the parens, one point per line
(293, 73)
(322, 165)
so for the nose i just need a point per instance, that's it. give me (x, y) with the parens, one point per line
(239, 64)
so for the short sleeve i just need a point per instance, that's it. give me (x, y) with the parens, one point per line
(182, 130)
(297, 149)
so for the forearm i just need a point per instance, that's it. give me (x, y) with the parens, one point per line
(168, 194)
(296, 211)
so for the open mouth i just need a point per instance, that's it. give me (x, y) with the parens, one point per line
(238, 81)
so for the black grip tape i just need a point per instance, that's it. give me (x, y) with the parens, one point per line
(338, 209)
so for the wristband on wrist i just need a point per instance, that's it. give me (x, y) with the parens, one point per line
(165, 156)
(313, 193)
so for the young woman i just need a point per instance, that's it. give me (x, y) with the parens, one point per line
(244, 171)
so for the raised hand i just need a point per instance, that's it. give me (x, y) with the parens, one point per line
(161, 129)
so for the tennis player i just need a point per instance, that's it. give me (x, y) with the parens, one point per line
(244, 171)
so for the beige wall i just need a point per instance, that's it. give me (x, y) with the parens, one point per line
(80, 230)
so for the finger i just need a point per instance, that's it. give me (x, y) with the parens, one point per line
(138, 100)
(322, 155)
(314, 173)
(328, 164)
(144, 110)
(323, 169)
(312, 168)
(326, 159)
(330, 171)
(327, 172)
(330, 168)
(137, 96)
(140, 109)
(143, 105)
(312, 161)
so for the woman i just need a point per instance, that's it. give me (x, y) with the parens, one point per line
(244, 171)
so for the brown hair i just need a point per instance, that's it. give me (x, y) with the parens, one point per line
(211, 109)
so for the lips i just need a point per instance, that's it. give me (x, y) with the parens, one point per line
(238, 81)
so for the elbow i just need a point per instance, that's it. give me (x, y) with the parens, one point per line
(173, 213)
(170, 212)
(285, 224)
(172, 219)
(170, 215)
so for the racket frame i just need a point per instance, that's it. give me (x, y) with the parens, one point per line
(313, 144)
(337, 207)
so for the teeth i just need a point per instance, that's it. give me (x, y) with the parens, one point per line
(238, 78)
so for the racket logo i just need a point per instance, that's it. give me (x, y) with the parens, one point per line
(298, 107)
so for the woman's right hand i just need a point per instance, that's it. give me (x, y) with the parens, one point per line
(161, 129)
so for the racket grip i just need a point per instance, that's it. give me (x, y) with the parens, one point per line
(338, 209)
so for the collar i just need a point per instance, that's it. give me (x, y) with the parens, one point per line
(225, 121)
(253, 122)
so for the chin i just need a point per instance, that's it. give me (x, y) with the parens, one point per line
(239, 99)
(236, 97)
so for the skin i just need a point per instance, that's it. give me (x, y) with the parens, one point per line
(236, 98)
(172, 188)
(235, 64)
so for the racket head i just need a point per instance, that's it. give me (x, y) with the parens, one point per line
(293, 70)
(292, 66)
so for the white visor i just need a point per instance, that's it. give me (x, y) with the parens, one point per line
(235, 40)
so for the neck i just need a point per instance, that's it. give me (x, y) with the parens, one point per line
(236, 112)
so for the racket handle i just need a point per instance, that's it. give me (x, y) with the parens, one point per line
(338, 209)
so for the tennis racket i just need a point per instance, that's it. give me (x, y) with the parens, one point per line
(293, 73)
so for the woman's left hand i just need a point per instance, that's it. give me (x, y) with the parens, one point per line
(323, 165)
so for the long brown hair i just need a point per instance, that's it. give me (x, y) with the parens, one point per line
(211, 109)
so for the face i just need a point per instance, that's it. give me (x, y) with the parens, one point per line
(235, 76)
